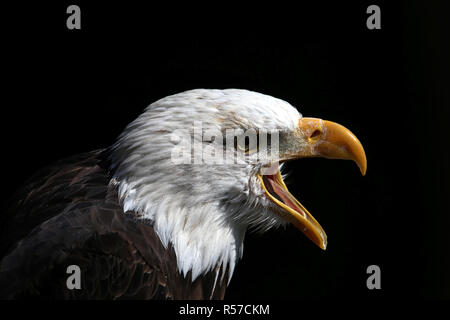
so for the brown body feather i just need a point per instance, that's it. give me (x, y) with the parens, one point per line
(68, 214)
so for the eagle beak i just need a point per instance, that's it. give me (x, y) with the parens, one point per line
(323, 139)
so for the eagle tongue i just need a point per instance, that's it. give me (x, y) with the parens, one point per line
(285, 196)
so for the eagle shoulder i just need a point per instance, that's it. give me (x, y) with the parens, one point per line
(69, 214)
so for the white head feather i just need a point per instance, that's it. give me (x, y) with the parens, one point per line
(202, 210)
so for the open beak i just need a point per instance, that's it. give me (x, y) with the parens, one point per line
(323, 139)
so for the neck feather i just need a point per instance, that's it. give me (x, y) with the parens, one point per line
(203, 236)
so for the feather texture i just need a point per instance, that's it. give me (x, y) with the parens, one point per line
(81, 223)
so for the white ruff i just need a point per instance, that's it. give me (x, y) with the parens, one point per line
(203, 211)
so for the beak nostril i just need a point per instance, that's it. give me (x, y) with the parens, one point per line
(315, 134)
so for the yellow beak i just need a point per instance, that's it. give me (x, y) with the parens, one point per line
(323, 139)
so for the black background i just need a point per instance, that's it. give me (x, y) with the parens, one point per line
(69, 91)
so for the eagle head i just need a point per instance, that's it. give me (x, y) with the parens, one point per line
(203, 166)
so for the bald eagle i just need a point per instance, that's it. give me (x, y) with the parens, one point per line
(142, 222)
